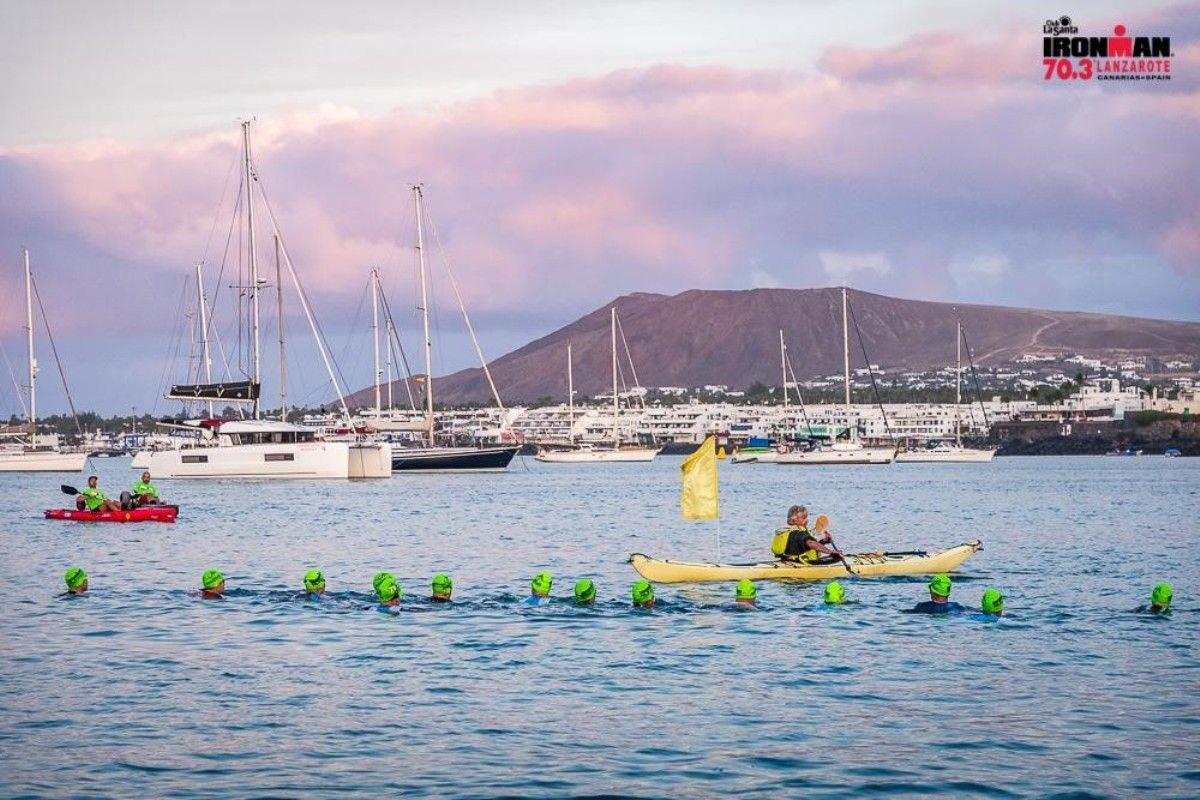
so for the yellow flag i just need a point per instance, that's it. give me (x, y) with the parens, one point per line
(698, 499)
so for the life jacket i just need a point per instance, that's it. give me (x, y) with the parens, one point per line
(783, 537)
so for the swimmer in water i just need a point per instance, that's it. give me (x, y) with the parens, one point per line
(212, 585)
(746, 592)
(585, 592)
(443, 587)
(539, 590)
(643, 594)
(835, 595)
(314, 585)
(76, 579)
(1160, 599)
(939, 598)
(389, 594)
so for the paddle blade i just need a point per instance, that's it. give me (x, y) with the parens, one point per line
(68, 489)
(822, 524)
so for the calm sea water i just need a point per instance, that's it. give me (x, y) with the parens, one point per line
(141, 689)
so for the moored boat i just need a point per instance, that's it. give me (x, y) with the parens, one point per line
(861, 564)
(156, 513)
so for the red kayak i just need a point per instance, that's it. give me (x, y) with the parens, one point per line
(140, 514)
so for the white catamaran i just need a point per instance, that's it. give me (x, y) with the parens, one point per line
(257, 447)
(588, 453)
(36, 454)
(849, 450)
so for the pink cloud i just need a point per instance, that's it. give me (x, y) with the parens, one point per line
(929, 153)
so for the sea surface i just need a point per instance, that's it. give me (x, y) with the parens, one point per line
(141, 689)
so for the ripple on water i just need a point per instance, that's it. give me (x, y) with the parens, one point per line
(144, 687)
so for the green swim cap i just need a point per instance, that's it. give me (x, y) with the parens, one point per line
(746, 590)
(1161, 596)
(940, 585)
(541, 583)
(642, 592)
(993, 601)
(442, 584)
(380, 577)
(314, 580)
(211, 579)
(74, 577)
(834, 593)
(388, 590)
(585, 591)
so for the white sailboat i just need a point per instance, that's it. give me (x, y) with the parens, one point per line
(36, 455)
(257, 448)
(589, 453)
(850, 450)
(943, 451)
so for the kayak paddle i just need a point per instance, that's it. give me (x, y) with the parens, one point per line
(68, 489)
(819, 528)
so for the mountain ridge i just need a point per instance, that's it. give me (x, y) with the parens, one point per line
(731, 337)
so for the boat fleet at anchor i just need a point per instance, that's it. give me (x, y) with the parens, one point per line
(374, 445)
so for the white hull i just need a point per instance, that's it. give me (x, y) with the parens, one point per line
(953, 455)
(756, 458)
(140, 460)
(303, 460)
(43, 461)
(370, 460)
(857, 455)
(595, 456)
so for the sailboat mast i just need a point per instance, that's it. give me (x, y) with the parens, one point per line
(783, 369)
(375, 333)
(957, 382)
(616, 406)
(253, 260)
(388, 338)
(282, 347)
(204, 331)
(570, 397)
(846, 349)
(425, 317)
(32, 359)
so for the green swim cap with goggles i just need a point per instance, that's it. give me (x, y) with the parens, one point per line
(585, 591)
(642, 593)
(211, 579)
(380, 577)
(314, 581)
(993, 601)
(834, 593)
(746, 590)
(387, 590)
(442, 585)
(1161, 596)
(74, 577)
(541, 583)
(940, 585)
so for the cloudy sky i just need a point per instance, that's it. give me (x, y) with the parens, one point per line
(571, 153)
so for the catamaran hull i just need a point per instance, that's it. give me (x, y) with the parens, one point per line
(867, 455)
(453, 459)
(299, 461)
(370, 460)
(42, 462)
(966, 455)
(862, 564)
(625, 454)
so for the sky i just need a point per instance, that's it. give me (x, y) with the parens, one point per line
(569, 153)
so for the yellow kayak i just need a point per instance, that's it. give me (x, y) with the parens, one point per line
(864, 564)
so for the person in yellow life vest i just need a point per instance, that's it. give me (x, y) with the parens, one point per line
(144, 492)
(797, 543)
(92, 499)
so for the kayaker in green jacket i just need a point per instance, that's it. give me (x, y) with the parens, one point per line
(92, 499)
(144, 492)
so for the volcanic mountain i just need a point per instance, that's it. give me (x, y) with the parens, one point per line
(704, 337)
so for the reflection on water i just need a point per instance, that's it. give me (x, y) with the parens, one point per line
(140, 688)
